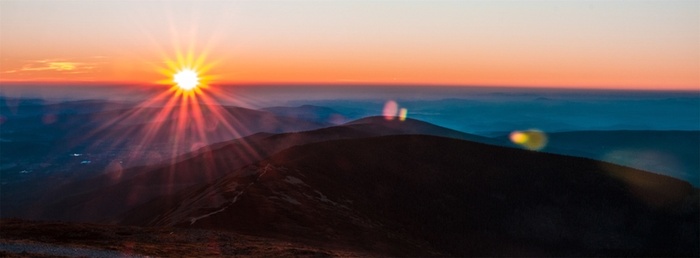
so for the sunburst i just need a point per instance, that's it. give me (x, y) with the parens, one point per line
(187, 73)
(186, 79)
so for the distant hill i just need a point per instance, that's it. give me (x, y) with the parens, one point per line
(310, 112)
(371, 124)
(14, 108)
(425, 195)
(35, 133)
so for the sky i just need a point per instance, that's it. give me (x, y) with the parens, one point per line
(567, 43)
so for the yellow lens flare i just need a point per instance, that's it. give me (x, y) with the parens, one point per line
(529, 139)
(402, 114)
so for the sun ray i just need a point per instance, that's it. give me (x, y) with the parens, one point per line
(179, 119)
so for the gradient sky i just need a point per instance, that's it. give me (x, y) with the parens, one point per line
(597, 44)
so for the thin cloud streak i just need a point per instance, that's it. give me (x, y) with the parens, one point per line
(54, 65)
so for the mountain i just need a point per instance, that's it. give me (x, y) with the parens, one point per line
(395, 127)
(104, 197)
(424, 195)
(310, 112)
(672, 153)
(46, 146)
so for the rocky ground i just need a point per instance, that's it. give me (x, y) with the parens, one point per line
(20, 238)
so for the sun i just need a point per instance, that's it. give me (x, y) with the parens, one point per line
(186, 74)
(186, 79)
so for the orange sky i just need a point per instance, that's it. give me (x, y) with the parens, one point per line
(590, 44)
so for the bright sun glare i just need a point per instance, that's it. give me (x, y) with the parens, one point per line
(186, 79)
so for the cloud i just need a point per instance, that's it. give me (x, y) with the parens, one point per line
(54, 65)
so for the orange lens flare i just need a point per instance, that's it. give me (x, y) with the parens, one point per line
(529, 139)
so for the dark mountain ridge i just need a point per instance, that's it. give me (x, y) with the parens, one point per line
(426, 195)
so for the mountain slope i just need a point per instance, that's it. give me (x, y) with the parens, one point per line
(106, 196)
(50, 150)
(425, 195)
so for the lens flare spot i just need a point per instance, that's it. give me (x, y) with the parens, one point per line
(529, 139)
(518, 137)
(391, 109)
(402, 114)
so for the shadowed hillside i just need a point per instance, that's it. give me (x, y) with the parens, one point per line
(424, 195)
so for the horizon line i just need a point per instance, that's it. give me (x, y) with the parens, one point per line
(349, 84)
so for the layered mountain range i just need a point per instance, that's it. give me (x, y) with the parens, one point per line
(390, 187)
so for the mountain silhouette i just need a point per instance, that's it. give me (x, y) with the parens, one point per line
(427, 195)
